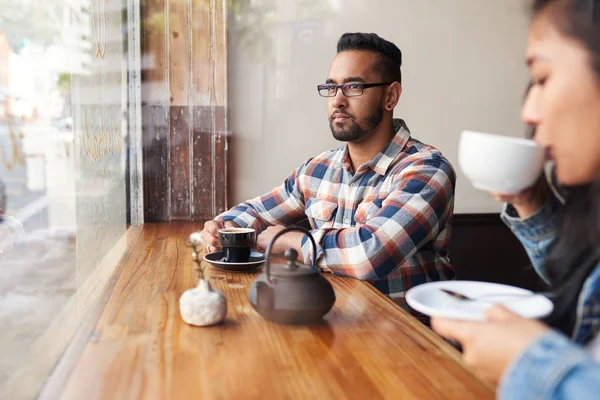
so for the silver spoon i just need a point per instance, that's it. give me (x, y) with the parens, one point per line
(467, 298)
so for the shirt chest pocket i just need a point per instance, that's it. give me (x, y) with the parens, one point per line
(367, 211)
(321, 213)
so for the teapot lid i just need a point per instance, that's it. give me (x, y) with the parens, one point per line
(292, 268)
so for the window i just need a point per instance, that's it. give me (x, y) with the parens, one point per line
(63, 103)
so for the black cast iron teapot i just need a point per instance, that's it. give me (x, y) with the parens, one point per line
(292, 293)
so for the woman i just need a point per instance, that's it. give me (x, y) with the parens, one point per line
(529, 359)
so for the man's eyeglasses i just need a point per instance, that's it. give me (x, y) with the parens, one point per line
(348, 89)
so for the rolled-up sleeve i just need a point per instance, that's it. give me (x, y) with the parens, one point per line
(284, 205)
(536, 232)
(415, 211)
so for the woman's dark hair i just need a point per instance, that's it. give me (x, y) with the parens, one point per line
(389, 60)
(578, 19)
(576, 252)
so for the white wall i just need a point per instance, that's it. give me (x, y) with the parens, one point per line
(463, 69)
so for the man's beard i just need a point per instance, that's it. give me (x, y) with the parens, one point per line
(355, 132)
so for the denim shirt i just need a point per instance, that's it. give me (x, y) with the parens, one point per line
(554, 366)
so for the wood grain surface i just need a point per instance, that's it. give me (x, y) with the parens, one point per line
(185, 108)
(366, 348)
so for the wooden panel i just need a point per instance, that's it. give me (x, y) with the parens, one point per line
(202, 133)
(155, 112)
(209, 176)
(209, 148)
(179, 86)
(186, 165)
(201, 45)
(366, 348)
(220, 126)
(202, 175)
(179, 52)
(219, 37)
(221, 178)
(180, 163)
(157, 193)
(483, 248)
(154, 68)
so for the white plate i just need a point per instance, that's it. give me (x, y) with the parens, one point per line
(430, 300)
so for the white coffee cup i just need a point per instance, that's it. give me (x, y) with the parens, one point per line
(502, 164)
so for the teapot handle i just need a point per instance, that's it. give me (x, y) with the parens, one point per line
(286, 230)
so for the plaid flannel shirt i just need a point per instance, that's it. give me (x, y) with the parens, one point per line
(388, 223)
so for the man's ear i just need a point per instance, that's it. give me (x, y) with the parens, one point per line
(393, 96)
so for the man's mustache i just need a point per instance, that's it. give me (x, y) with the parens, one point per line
(340, 113)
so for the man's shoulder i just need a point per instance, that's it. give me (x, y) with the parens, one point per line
(417, 150)
(330, 155)
(329, 158)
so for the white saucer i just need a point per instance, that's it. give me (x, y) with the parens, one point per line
(430, 300)
(216, 260)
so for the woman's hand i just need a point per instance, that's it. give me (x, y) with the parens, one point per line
(527, 202)
(489, 347)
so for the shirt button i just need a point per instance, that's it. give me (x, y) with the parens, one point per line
(352, 184)
(347, 221)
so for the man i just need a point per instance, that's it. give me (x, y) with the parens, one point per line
(380, 207)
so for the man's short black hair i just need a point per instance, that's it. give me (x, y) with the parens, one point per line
(389, 61)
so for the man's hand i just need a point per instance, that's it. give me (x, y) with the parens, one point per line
(291, 240)
(489, 347)
(210, 234)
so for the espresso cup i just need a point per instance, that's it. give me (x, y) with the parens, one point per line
(236, 244)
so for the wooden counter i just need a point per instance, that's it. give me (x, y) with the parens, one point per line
(368, 348)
